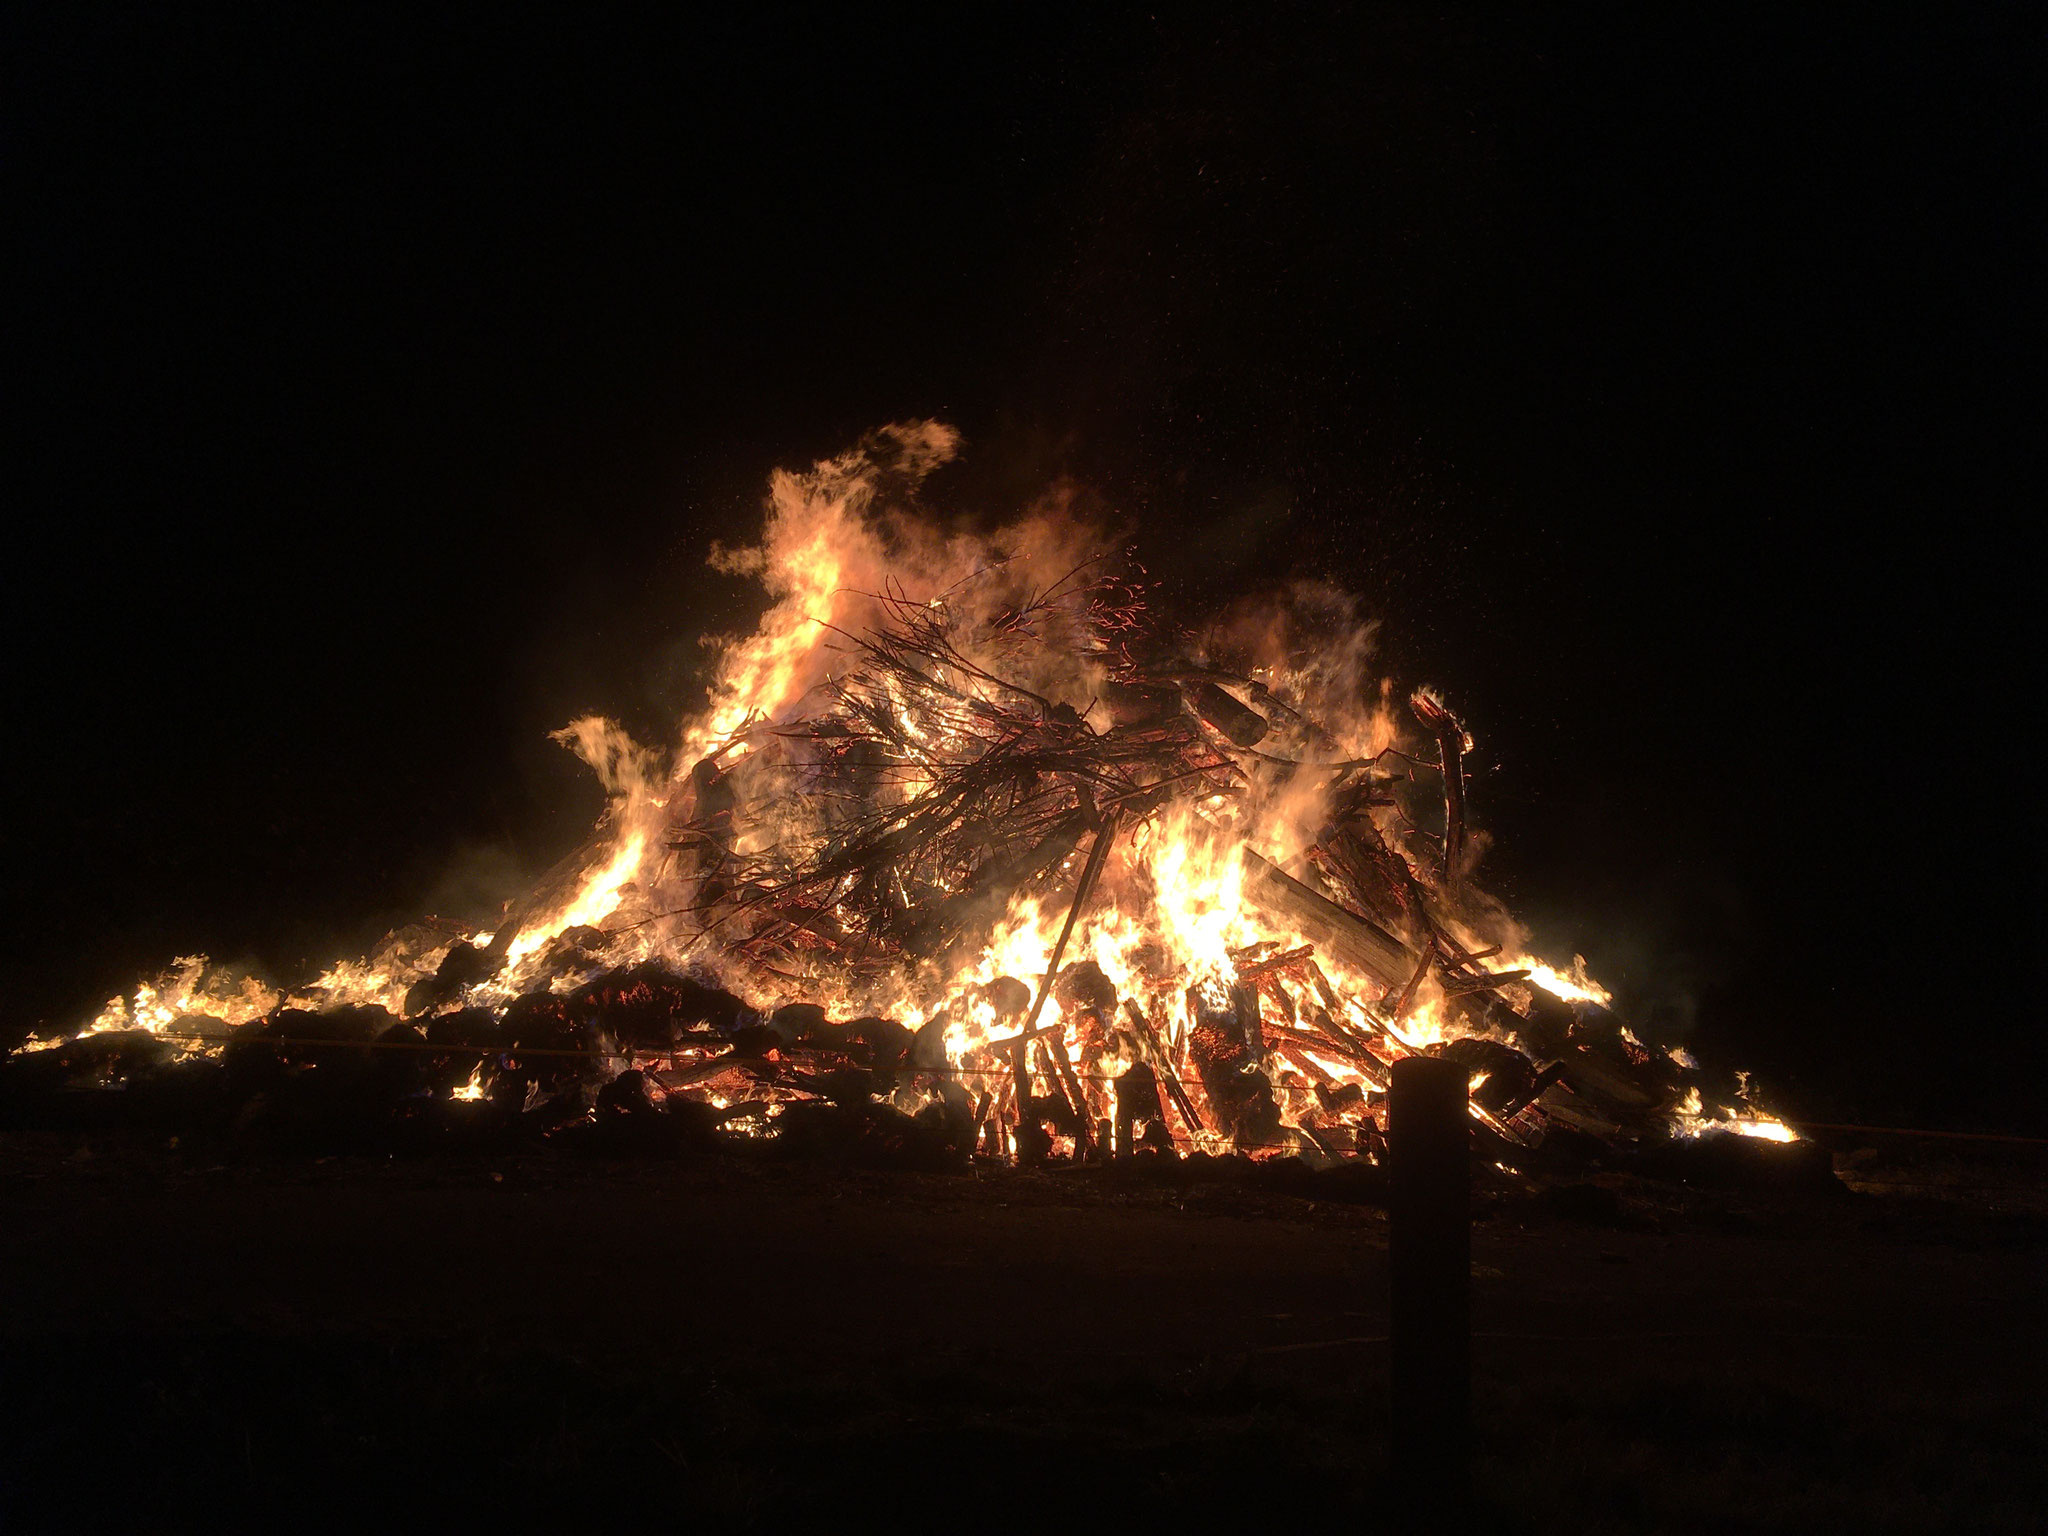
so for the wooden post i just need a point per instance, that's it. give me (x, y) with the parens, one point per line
(1429, 1243)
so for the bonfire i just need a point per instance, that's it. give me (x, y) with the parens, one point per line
(973, 851)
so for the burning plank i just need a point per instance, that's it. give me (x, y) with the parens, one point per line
(1351, 940)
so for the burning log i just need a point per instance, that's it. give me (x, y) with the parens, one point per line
(1512, 1109)
(1362, 1047)
(1483, 981)
(1356, 857)
(1299, 1058)
(1501, 1075)
(1097, 854)
(928, 1048)
(1237, 1089)
(755, 1067)
(1244, 726)
(867, 1135)
(798, 1024)
(1161, 1062)
(553, 891)
(459, 1044)
(1303, 1040)
(1623, 1095)
(1090, 872)
(1133, 704)
(989, 890)
(1351, 939)
(1406, 1000)
(1038, 1120)
(1274, 965)
(293, 1041)
(1341, 1100)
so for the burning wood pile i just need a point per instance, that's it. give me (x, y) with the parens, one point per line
(973, 855)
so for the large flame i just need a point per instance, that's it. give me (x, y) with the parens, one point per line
(844, 553)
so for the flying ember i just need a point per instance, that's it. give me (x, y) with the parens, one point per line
(974, 850)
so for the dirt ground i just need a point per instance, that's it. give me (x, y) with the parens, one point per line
(535, 1342)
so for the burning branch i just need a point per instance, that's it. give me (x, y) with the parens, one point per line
(1452, 743)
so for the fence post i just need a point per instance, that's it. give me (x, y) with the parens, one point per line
(1429, 1243)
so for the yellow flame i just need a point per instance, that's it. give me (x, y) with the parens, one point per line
(1574, 986)
(1691, 1120)
(591, 905)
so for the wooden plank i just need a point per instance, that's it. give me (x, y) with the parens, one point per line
(1351, 940)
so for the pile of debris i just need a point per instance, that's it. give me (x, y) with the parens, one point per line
(1014, 871)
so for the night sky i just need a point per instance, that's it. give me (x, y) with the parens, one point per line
(1666, 381)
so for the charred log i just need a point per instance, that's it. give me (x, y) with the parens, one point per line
(1009, 997)
(1449, 731)
(461, 968)
(1503, 1075)
(1138, 1103)
(1245, 726)
(649, 1007)
(1238, 1091)
(1083, 988)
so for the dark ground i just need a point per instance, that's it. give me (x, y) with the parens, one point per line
(535, 1341)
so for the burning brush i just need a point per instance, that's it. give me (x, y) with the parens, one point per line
(972, 851)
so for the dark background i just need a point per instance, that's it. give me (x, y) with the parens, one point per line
(1666, 382)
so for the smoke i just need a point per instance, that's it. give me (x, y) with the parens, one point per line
(477, 882)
